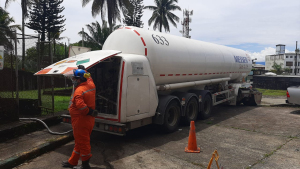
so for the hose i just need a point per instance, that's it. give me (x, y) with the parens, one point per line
(51, 132)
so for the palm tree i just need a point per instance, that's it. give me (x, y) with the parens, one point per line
(98, 34)
(162, 14)
(25, 4)
(113, 8)
(6, 29)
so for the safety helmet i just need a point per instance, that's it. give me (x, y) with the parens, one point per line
(80, 73)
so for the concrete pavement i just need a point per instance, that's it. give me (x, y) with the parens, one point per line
(253, 137)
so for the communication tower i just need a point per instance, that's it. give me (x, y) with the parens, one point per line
(186, 23)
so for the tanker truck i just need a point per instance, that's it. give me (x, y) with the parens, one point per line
(145, 77)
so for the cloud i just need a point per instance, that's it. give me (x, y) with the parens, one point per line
(267, 51)
(231, 22)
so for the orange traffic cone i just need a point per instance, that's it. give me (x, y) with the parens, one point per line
(192, 145)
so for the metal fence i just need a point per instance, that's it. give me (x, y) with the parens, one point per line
(22, 93)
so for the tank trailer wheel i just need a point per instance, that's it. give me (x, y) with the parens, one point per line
(207, 106)
(172, 117)
(191, 111)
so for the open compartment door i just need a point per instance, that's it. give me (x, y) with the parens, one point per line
(87, 59)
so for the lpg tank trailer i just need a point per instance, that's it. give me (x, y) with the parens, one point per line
(145, 77)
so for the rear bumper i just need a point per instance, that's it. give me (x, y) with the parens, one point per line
(103, 126)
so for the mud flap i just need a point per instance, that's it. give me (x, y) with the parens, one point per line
(257, 97)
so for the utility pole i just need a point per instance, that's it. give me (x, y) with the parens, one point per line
(296, 64)
(186, 23)
(82, 36)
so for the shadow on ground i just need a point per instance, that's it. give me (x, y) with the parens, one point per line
(109, 147)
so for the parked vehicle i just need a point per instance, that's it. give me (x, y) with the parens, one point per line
(293, 95)
(145, 77)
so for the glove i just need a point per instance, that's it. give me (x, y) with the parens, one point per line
(92, 112)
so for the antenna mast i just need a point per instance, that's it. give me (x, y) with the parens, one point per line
(186, 23)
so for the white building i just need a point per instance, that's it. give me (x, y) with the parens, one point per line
(286, 60)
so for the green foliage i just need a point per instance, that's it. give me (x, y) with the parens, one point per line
(32, 56)
(60, 102)
(162, 14)
(97, 35)
(269, 92)
(287, 70)
(45, 18)
(6, 29)
(277, 68)
(133, 15)
(112, 8)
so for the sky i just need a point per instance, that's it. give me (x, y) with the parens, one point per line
(255, 26)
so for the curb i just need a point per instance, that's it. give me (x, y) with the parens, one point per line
(27, 127)
(20, 158)
(279, 105)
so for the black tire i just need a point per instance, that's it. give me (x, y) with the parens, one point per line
(191, 111)
(172, 117)
(207, 106)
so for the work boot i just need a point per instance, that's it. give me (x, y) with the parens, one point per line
(66, 164)
(84, 165)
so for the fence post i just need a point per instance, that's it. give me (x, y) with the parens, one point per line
(39, 68)
(17, 76)
(52, 79)
(11, 68)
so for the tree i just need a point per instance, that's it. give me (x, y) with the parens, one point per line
(134, 14)
(162, 14)
(277, 68)
(6, 29)
(25, 4)
(37, 18)
(113, 8)
(55, 23)
(98, 34)
(45, 18)
(32, 55)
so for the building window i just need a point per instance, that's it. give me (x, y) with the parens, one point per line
(298, 63)
(286, 56)
(291, 56)
(298, 70)
(289, 63)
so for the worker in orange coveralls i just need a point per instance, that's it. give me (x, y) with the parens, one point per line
(82, 111)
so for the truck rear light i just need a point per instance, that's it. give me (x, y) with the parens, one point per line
(66, 120)
(115, 129)
(287, 94)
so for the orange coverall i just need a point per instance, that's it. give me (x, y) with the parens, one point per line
(83, 98)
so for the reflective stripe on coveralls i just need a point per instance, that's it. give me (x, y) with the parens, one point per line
(83, 99)
(70, 102)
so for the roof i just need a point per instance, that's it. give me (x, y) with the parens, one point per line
(258, 65)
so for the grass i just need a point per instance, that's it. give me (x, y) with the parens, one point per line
(60, 102)
(269, 92)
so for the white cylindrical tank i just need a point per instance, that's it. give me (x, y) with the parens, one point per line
(176, 59)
